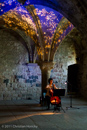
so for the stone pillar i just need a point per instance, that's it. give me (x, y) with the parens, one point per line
(46, 68)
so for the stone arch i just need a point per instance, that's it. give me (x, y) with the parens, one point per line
(14, 74)
(13, 20)
(18, 37)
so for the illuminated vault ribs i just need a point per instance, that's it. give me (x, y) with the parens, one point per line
(46, 34)
(49, 22)
(63, 25)
(59, 35)
(40, 45)
(14, 20)
(20, 21)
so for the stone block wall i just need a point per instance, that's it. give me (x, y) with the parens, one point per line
(80, 43)
(23, 81)
(18, 80)
(23, 84)
(82, 78)
(64, 57)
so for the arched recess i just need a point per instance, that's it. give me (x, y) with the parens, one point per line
(68, 52)
(14, 74)
(18, 37)
(16, 20)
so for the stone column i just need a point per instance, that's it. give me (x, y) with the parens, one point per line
(46, 68)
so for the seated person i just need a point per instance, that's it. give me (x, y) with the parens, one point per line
(49, 89)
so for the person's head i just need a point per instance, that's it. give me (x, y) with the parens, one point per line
(50, 80)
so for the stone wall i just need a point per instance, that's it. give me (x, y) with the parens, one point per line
(65, 56)
(80, 43)
(18, 80)
(72, 50)
(82, 76)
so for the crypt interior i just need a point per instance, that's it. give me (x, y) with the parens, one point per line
(40, 39)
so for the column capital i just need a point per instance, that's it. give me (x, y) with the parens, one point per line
(46, 65)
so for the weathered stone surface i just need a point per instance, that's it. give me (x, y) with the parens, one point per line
(64, 57)
(16, 78)
(20, 81)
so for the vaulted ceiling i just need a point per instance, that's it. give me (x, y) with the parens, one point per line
(44, 21)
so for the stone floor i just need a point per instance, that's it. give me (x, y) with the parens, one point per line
(29, 115)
